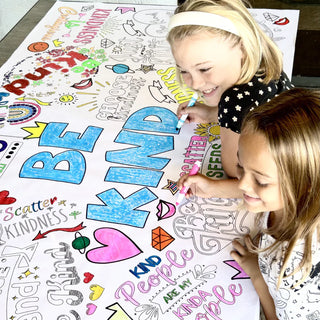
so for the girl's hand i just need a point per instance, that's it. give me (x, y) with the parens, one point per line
(199, 185)
(248, 261)
(199, 113)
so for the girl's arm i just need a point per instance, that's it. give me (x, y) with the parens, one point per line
(204, 187)
(249, 263)
(229, 149)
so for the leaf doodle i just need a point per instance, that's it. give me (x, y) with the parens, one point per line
(209, 272)
(148, 312)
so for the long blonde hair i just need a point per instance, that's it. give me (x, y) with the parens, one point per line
(261, 55)
(291, 126)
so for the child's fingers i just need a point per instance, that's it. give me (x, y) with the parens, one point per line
(239, 247)
(247, 241)
(180, 182)
(181, 109)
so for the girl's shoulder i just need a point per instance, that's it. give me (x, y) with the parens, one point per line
(256, 92)
(263, 90)
(292, 296)
(238, 100)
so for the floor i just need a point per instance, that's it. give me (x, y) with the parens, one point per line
(306, 69)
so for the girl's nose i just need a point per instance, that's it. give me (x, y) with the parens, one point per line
(197, 82)
(245, 183)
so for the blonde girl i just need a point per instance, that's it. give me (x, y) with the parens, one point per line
(222, 53)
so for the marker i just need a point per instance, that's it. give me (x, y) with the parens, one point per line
(195, 169)
(185, 116)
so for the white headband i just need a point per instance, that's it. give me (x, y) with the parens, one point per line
(200, 18)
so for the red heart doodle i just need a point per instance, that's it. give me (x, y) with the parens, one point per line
(53, 200)
(87, 277)
(4, 199)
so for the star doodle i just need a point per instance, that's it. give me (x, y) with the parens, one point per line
(171, 186)
(62, 202)
(146, 68)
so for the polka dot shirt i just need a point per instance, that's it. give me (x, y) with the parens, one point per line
(237, 101)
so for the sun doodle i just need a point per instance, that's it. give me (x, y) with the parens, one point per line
(66, 99)
(210, 130)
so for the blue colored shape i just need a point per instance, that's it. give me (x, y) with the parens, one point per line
(120, 210)
(3, 94)
(47, 164)
(120, 68)
(52, 137)
(3, 145)
(143, 120)
(141, 156)
(136, 176)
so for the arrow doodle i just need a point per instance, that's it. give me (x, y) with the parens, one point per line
(43, 235)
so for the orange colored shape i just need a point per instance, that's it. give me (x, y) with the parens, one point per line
(160, 238)
(38, 46)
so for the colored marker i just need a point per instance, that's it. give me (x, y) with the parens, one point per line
(195, 169)
(185, 116)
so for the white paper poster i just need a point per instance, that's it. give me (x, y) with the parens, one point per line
(89, 159)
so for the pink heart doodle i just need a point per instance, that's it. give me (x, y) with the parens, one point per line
(91, 308)
(4, 199)
(117, 247)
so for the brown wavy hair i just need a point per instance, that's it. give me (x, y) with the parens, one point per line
(291, 125)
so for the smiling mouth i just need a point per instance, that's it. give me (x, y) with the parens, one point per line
(250, 199)
(209, 91)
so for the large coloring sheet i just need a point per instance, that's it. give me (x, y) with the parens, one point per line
(89, 159)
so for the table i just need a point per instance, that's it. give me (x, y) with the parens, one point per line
(89, 156)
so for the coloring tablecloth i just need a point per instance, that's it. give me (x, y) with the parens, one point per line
(89, 156)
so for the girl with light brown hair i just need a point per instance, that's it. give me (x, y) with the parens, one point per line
(279, 176)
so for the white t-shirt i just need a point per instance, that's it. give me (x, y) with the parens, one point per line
(301, 302)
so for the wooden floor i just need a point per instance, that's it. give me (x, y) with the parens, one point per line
(306, 68)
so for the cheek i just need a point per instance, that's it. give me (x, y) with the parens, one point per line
(186, 79)
(272, 199)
